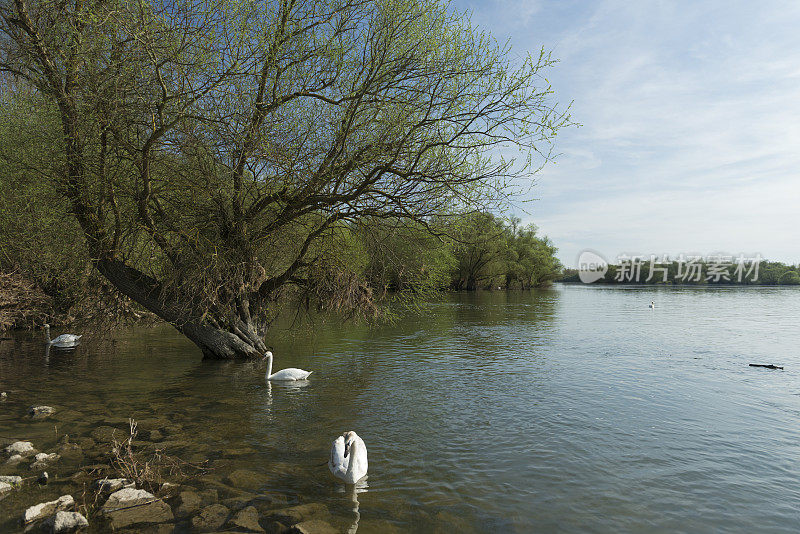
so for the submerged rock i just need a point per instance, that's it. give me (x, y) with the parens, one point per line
(246, 479)
(64, 522)
(42, 510)
(301, 513)
(209, 496)
(15, 459)
(5, 487)
(187, 503)
(211, 518)
(42, 460)
(22, 448)
(151, 435)
(128, 507)
(246, 520)
(276, 527)
(71, 453)
(38, 413)
(107, 434)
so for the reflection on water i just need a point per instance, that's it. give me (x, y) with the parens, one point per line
(577, 408)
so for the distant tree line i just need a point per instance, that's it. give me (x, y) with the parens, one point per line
(694, 271)
(470, 252)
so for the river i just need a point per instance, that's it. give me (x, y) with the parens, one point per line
(571, 409)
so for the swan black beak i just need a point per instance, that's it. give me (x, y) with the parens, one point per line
(346, 449)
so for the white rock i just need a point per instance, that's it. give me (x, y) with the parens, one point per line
(15, 459)
(127, 496)
(110, 485)
(23, 448)
(11, 479)
(64, 522)
(44, 509)
(5, 487)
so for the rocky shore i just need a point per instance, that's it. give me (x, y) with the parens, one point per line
(123, 477)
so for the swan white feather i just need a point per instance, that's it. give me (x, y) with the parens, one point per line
(289, 374)
(348, 460)
(63, 339)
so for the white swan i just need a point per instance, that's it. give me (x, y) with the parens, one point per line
(292, 373)
(652, 304)
(62, 340)
(348, 460)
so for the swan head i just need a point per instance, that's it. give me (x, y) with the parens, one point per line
(349, 439)
(46, 326)
(267, 355)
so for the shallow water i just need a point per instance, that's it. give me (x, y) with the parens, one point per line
(571, 409)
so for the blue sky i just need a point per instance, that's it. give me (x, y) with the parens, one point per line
(690, 113)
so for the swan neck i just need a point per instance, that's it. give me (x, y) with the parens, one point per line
(47, 333)
(354, 451)
(269, 366)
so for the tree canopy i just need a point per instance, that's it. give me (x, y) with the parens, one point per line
(212, 153)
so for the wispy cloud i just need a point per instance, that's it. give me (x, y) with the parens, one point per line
(691, 124)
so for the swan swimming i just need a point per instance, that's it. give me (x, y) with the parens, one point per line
(62, 340)
(348, 460)
(291, 373)
(652, 304)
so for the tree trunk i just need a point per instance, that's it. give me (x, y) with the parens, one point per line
(219, 344)
(239, 338)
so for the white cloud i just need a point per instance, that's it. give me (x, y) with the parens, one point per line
(691, 124)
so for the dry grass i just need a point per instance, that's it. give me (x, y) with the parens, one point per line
(149, 466)
(22, 303)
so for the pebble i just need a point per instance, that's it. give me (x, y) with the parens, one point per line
(246, 520)
(23, 448)
(211, 518)
(130, 507)
(44, 509)
(38, 413)
(44, 459)
(63, 522)
(15, 459)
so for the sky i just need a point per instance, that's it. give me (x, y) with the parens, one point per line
(690, 124)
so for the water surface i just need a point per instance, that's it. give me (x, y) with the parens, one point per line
(571, 409)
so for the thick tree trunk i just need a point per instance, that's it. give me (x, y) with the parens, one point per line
(219, 344)
(241, 340)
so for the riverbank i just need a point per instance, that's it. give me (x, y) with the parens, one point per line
(136, 476)
(25, 304)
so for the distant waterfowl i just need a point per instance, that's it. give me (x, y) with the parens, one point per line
(64, 340)
(652, 304)
(348, 461)
(289, 374)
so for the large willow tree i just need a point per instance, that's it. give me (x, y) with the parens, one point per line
(209, 148)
